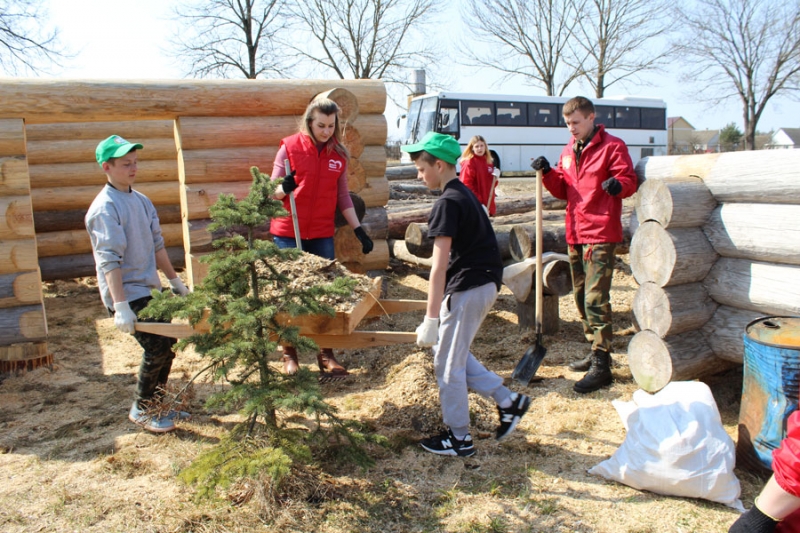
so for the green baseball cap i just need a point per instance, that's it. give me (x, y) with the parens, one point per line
(114, 146)
(439, 145)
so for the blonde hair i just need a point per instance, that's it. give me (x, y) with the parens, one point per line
(326, 107)
(469, 153)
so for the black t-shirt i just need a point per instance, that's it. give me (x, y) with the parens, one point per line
(474, 255)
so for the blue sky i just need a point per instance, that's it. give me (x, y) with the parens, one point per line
(126, 40)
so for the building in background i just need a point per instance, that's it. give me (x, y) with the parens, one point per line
(679, 136)
(785, 138)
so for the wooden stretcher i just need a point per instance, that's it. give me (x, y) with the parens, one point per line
(338, 331)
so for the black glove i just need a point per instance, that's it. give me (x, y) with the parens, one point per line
(612, 186)
(366, 242)
(288, 183)
(753, 521)
(541, 163)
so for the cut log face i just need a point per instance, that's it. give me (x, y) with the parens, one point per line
(670, 257)
(399, 251)
(759, 232)
(14, 176)
(672, 310)
(674, 203)
(725, 332)
(22, 324)
(767, 288)
(16, 218)
(654, 361)
(17, 255)
(522, 240)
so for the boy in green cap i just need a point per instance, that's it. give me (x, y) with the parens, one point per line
(128, 249)
(465, 278)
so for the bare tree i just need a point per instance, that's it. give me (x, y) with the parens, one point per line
(24, 43)
(744, 48)
(525, 38)
(230, 38)
(365, 39)
(616, 40)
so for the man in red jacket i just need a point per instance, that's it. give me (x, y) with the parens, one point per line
(594, 174)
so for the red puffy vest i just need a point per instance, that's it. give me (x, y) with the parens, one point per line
(316, 195)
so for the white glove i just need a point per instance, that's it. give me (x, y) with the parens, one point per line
(124, 317)
(178, 287)
(428, 332)
(496, 173)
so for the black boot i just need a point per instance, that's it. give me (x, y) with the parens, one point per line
(598, 376)
(581, 365)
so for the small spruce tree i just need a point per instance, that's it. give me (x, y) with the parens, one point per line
(240, 298)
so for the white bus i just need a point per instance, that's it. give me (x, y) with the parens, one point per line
(519, 128)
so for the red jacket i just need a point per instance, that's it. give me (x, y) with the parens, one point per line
(317, 175)
(476, 174)
(786, 467)
(593, 216)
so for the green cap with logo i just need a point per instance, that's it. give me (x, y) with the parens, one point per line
(439, 145)
(114, 146)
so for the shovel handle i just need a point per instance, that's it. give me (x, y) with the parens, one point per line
(539, 270)
(288, 167)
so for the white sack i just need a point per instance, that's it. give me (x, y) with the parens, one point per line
(675, 445)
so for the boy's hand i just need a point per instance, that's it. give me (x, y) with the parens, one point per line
(428, 332)
(124, 317)
(612, 186)
(178, 287)
(366, 242)
(288, 184)
(541, 163)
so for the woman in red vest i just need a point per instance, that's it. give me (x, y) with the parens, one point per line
(478, 172)
(318, 180)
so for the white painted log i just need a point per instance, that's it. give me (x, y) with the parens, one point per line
(675, 166)
(769, 288)
(655, 362)
(760, 176)
(672, 310)
(725, 332)
(674, 203)
(759, 232)
(670, 256)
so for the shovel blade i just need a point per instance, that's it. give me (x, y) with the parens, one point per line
(529, 364)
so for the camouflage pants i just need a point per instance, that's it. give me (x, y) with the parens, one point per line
(156, 359)
(592, 267)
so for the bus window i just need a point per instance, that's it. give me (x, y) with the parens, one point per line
(654, 118)
(511, 114)
(543, 115)
(627, 117)
(448, 117)
(647, 152)
(480, 113)
(427, 118)
(412, 122)
(604, 115)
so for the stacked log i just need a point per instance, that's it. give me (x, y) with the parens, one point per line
(754, 235)
(65, 178)
(216, 154)
(670, 256)
(23, 328)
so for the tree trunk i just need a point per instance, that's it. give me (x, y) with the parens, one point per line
(725, 332)
(522, 241)
(758, 232)
(375, 192)
(401, 172)
(66, 198)
(768, 288)
(674, 203)
(675, 166)
(670, 257)
(668, 311)
(82, 265)
(655, 362)
(399, 251)
(24, 357)
(348, 252)
(59, 175)
(47, 221)
(418, 243)
(132, 130)
(70, 242)
(761, 176)
(80, 151)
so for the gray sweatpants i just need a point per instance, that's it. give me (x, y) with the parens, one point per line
(457, 370)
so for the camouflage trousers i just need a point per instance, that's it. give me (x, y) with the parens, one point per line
(156, 359)
(592, 267)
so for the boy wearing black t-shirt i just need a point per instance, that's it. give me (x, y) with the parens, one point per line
(464, 281)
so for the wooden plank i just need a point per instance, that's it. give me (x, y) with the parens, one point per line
(45, 221)
(385, 307)
(82, 265)
(16, 218)
(81, 151)
(18, 255)
(21, 288)
(202, 196)
(50, 101)
(66, 198)
(70, 242)
(224, 164)
(97, 131)
(90, 174)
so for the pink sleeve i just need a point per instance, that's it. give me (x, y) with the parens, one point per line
(278, 168)
(343, 200)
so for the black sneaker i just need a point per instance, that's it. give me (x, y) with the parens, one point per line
(510, 416)
(447, 444)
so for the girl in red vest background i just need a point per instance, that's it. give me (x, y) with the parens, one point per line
(478, 172)
(318, 180)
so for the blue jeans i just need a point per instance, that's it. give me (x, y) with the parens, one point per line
(321, 247)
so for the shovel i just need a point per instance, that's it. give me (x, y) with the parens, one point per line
(288, 168)
(529, 364)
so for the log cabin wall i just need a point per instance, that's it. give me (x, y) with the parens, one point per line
(718, 246)
(52, 175)
(23, 327)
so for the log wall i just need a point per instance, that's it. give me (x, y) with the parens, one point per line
(23, 328)
(717, 247)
